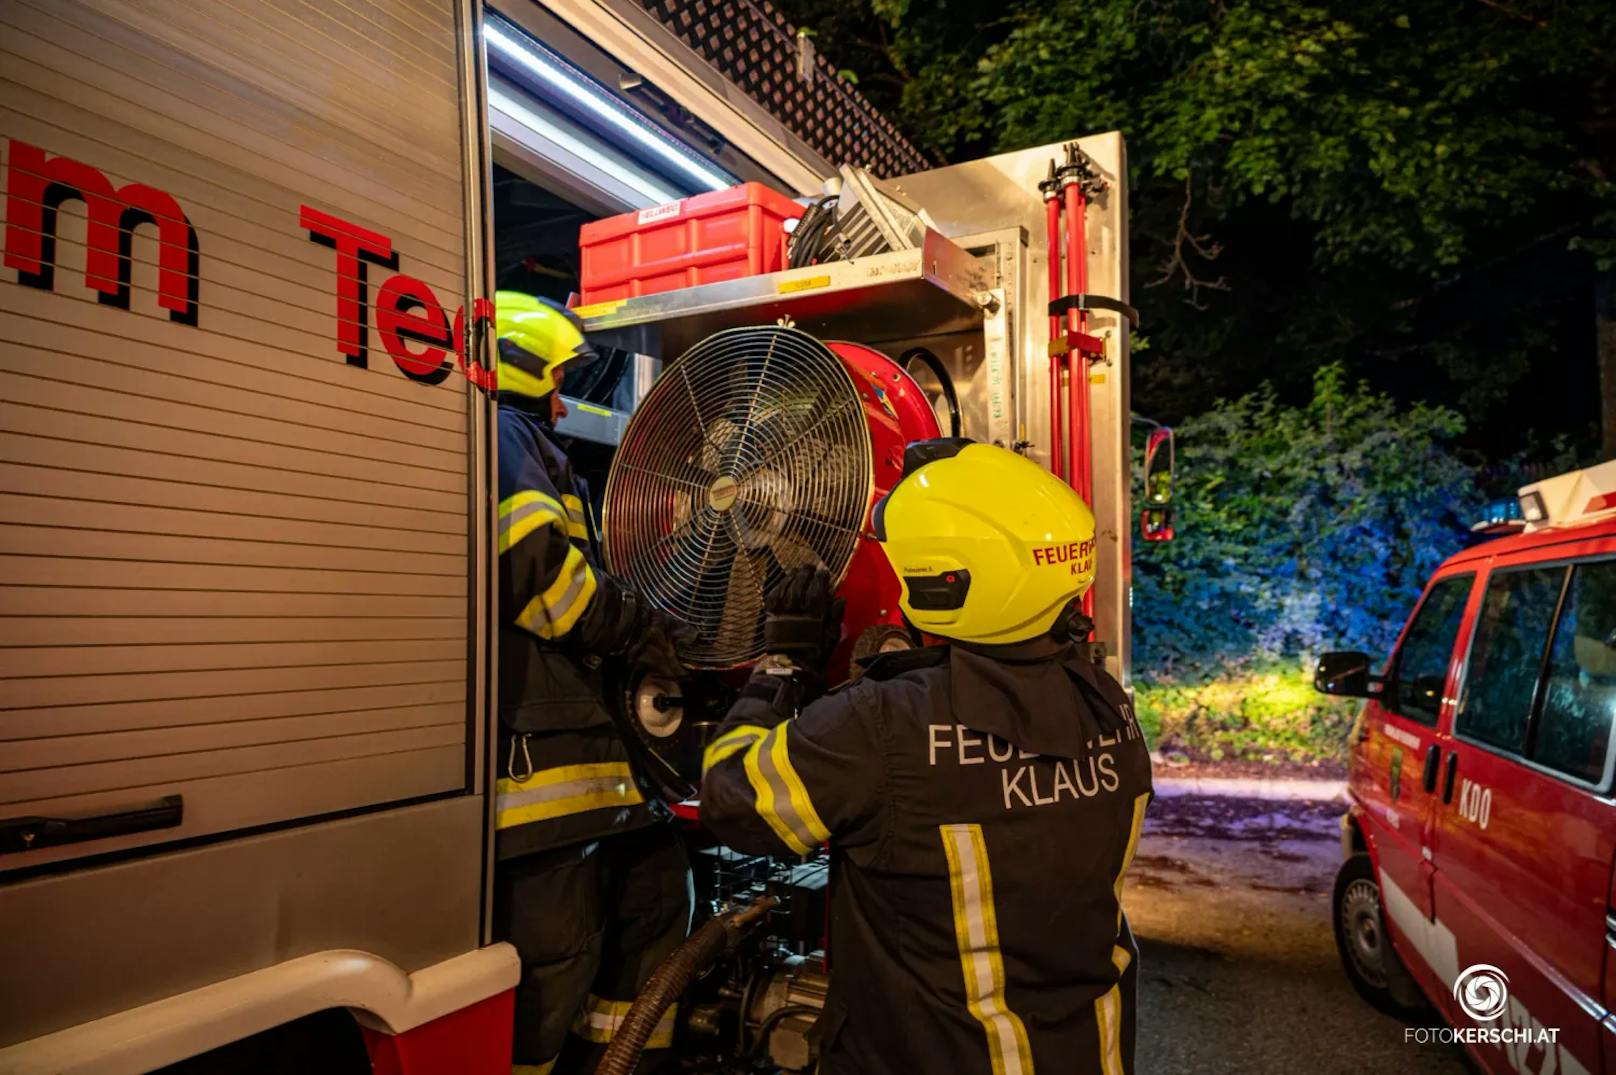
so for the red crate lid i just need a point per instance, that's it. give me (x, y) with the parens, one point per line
(695, 206)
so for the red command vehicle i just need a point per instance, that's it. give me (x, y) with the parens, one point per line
(1481, 835)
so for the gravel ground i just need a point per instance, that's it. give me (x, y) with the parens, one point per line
(1230, 901)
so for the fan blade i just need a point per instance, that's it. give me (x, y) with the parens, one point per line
(741, 619)
(791, 552)
(798, 438)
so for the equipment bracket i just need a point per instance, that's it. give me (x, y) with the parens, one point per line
(1080, 342)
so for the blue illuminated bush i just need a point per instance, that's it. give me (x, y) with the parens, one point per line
(1299, 529)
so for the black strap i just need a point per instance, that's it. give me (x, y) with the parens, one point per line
(895, 663)
(782, 694)
(1059, 307)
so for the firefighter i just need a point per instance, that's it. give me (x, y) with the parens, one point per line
(982, 798)
(591, 883)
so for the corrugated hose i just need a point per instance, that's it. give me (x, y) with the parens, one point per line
(672, 978)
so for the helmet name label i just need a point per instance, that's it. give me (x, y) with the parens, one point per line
(1078, 554)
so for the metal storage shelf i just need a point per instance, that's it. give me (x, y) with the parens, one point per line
(592, 422)
(931, 289)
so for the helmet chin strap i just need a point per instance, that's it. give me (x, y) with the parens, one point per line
(1071, 623)
(537, 406)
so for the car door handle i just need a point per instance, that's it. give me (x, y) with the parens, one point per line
(1447, 779)
(1432, 757)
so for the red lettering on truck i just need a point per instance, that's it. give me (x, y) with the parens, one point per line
(357, 248)
(407, 310)
(36, 187)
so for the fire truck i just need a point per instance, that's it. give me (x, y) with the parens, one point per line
(1480, 839)
(246, 454)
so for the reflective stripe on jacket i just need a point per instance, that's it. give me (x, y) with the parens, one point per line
(564, 772)
(982, 807)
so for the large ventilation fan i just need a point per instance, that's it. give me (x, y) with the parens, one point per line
(751, 455)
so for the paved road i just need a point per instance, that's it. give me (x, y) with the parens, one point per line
(1230, 900)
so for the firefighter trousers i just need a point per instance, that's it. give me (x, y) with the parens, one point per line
(590, 922)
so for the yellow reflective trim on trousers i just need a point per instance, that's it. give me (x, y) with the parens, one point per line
(522, 513)
(729, 743)
(1108, 1007)
(555, 611)
(533, 1069)
(566, 789)
(1108, 1016)
(599, 1020)
(976, 930)
(781, 798)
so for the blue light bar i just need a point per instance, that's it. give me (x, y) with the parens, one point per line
(516, 48)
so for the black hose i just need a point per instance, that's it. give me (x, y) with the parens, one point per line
(770, 1021)
(938, 370)
(671, 979)
(808, 241)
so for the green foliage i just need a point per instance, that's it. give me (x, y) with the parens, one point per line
(1299, 529)
(1267, 713)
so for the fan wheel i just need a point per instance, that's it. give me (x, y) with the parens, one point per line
(749, 456)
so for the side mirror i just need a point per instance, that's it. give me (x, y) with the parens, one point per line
(1156, 524)
(1345, 673)
(1159, 466)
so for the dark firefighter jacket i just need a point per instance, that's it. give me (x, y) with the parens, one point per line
(982, 806)
(564, 771)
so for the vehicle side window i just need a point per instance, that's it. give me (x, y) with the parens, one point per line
(1506, 657)
(1579, 699)
(1421, 665)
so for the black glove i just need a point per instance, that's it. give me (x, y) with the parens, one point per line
(804, 621)
(654, 649)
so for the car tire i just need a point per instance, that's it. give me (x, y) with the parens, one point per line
(1371, 963)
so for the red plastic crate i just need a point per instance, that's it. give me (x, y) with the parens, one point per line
(702, 239)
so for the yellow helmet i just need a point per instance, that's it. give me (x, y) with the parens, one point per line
(989, 546)
(536, 336)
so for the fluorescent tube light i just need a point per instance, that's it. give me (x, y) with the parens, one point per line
(653, 194)
(515, 47)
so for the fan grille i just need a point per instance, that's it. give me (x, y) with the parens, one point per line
(749, 456)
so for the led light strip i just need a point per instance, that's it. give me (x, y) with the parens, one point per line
(653, 194)
(512, 46)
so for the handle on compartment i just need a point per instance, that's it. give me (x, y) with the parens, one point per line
(32, 832)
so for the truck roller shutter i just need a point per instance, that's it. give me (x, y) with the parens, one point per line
(235, 451)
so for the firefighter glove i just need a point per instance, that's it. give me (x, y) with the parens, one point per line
(654, 650)
(804, 620)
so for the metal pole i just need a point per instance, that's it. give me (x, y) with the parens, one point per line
(1077, 417)
(1080, 452)
(1051, 191)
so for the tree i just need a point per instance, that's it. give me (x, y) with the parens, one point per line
(1300, 529)
(1421, 191)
